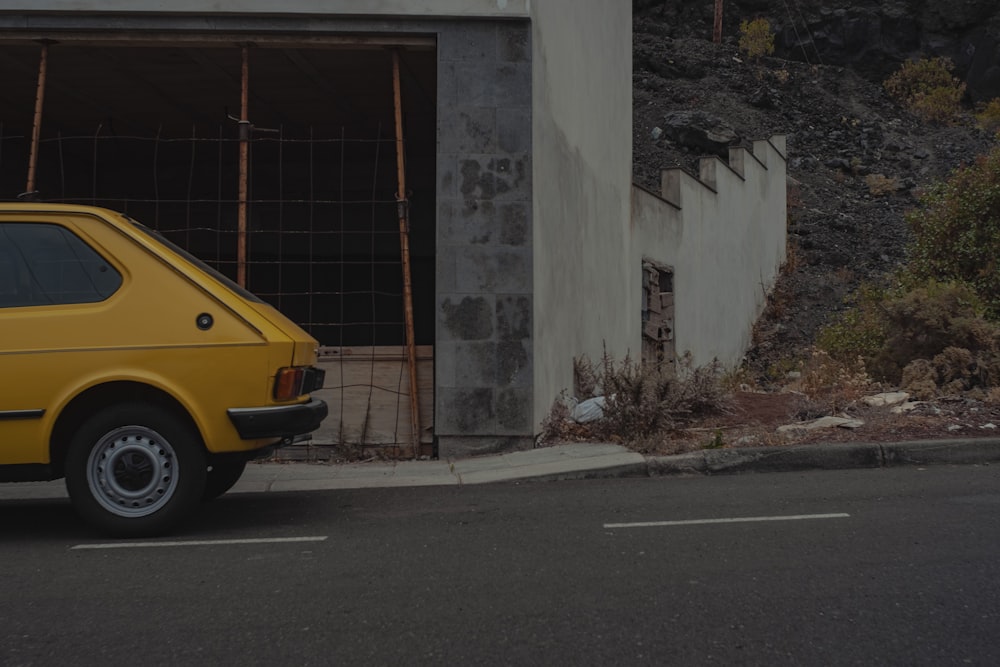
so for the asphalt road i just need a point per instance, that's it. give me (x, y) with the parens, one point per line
(528, 574)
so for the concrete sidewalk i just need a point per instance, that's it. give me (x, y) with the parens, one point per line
(581, 461)
(572, 461)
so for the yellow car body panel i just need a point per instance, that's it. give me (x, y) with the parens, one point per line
(146, 333)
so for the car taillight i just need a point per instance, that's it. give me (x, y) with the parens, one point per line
(288, 383)
(295, 381)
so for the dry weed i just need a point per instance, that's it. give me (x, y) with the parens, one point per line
(880, 185)
(585, 380)
(844, 275)
(644, 403)
(831, 385)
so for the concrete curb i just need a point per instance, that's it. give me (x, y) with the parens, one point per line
(985, 450)
(640, 469)
(583, 461)
(826, 457)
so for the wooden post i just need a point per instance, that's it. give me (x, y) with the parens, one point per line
(36, 129)
(717, 32)
(244, 135)
(402, 206)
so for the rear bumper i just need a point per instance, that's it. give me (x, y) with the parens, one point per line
(280, 421)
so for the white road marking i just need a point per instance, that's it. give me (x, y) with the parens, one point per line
(747, 519)
(198, 543)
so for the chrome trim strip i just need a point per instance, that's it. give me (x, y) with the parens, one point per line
(20, 414)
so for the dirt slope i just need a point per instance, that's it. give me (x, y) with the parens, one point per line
(841, 129)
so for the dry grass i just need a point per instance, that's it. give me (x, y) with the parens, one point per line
(793, 196)
(880, 185)
(993, 396)
(829, 385)
(844, 275)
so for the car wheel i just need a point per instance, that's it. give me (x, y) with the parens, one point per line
(222, 476)
(135, 470)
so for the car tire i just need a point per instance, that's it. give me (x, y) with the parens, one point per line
(135, 470)
(222, 476)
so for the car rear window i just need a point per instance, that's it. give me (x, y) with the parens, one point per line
(218, 275)
(44, 264)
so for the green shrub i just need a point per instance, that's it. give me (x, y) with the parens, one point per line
(921, 336)
(927, 88)
(957, 231)
(937, 329)
(923, 321)
(859, 331)
(756, 38)
(988, 116)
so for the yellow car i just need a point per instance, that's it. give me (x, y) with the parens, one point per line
(135, 371)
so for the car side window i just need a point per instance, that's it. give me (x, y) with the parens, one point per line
(43, 264)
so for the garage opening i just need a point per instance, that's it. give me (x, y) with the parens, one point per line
(272, 159)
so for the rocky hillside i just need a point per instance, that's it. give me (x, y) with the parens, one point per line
(856, 159)
(872, 37)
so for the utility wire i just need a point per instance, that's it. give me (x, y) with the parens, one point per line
(798, 38)
(805, 24)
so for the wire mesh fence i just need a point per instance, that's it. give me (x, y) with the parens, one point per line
(322, 233)
(322, 239)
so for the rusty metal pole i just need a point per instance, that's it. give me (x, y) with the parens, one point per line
(36, 129)
(717, 31)
(402, 207)
(244, 134)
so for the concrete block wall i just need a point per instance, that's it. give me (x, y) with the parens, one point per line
(483, 347)
(724, 235)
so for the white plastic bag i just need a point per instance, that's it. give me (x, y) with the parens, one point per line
(588, 411)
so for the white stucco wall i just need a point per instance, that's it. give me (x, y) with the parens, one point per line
(582, 138)
(414, 8)
(724, 236)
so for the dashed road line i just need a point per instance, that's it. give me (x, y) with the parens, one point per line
(747, 519)
(199, 543)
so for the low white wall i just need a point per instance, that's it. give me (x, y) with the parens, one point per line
(724, 236)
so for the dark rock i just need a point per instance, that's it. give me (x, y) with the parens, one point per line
(765, 98)
(699, 130)
(873, 38)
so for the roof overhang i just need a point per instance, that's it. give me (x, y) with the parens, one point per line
(422, 9)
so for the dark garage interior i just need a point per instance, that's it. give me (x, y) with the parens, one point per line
(153, 129)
